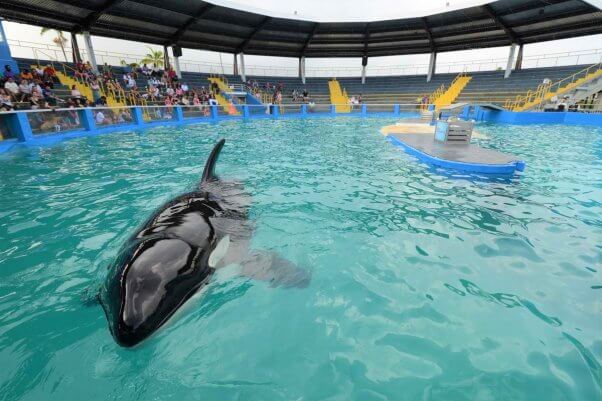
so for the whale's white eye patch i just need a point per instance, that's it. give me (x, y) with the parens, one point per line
(219, 252)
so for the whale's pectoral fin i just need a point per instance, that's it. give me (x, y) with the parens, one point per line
(278, 272)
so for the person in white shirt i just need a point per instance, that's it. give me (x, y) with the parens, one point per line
(34, 87)
(131, 83)
(169, 91)
(76, 94)
(12, 88)
(24, 89)
(185, 87)
(100, 118)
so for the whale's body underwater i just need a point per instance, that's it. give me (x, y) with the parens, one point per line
(175, 252)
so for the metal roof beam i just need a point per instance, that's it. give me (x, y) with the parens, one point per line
(366, 38)
(204, 9)
(509, 32)
(93, 17)
(245, 43)
(429, 34)
(309, 38)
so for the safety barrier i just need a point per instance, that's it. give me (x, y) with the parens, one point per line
(50, 125)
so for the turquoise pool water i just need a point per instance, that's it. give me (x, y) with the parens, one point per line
(424, 286)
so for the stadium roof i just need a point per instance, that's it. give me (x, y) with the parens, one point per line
(202, 25)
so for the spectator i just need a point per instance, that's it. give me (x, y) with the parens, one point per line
(102, 102)
(49, 96)
(146, 71)
(8, 73)
(39, 71)
(5, 101)
(101, 119)
(12, 89)
(95, 86)
(49, 72)
(24, 90)
(75, 93)
(26, 74)
(124, 116)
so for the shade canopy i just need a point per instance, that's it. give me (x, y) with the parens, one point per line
(202, 25)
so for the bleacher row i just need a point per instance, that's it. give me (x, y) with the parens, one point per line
(485, 86)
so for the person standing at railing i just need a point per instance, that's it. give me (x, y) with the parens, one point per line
(95, 86)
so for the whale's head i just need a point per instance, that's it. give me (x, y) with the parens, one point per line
(158, 270)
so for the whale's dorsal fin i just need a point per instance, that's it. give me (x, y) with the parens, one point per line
(209, 172)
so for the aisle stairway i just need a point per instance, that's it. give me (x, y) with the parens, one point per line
(545, 92)
(449, 96)
(338, 97)
(221, 98)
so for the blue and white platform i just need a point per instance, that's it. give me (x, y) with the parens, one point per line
(439, 151)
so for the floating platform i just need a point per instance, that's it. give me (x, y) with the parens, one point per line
(415, 126)
(459, 156)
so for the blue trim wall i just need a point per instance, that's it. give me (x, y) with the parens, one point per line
(480, 113)
(22, 134)
(20, 129)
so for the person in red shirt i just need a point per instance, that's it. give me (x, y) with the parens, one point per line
(49, 72)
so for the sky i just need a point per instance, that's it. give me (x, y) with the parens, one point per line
(332, 10)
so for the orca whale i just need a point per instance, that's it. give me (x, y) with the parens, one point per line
(172, 256)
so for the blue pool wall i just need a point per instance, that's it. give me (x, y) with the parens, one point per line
(18, 123)
(480, 113)
(22, 134)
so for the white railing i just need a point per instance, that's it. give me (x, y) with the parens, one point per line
(25, 49)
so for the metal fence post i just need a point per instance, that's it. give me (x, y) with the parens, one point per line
(245, 112)
(333, 109)
(364, 110)
(304, 110)
(275, 112)
(396, 109)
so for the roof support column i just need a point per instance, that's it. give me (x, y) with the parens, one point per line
(90, 51)
(302, 69)
(519, 58)
(176, 65)
(432, 66)
(235, 65)
(243, 73)
(510, 60)
(166, 64)
(77, 57)
(364, 64)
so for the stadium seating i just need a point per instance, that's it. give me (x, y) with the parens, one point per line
(484, 87)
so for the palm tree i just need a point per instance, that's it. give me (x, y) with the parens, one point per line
(59, 40)
(155, 57)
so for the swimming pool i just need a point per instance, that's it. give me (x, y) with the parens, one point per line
(425, 285)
